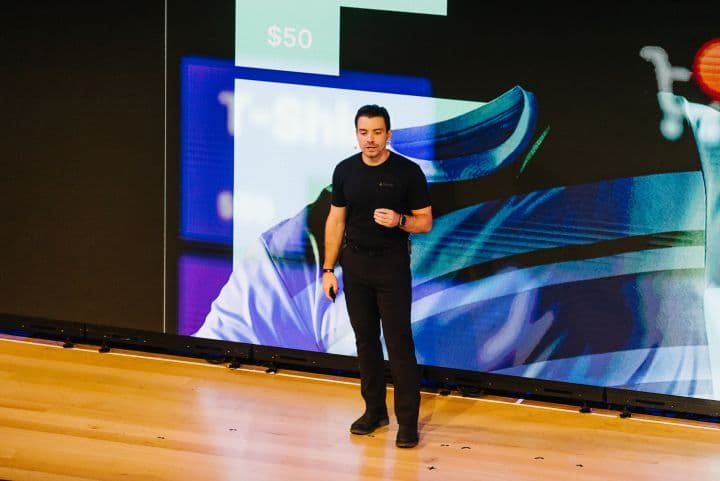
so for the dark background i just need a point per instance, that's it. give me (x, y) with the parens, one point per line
(88, 199)
(81, 184)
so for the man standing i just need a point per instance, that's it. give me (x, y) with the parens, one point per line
(378, 197)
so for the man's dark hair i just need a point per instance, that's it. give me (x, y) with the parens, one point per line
(373, 111)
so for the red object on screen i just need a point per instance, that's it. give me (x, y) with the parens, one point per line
(706, 68)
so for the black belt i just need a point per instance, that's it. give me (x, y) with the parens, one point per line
(377, 251)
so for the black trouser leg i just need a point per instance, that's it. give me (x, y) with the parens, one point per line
(365, 321)
(394, 296)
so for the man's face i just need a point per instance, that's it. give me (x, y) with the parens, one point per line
(372, 136)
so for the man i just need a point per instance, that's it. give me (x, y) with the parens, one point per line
(378, 198)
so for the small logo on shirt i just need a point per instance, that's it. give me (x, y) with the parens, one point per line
(385, 184)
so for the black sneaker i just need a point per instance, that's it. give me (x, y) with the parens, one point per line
(368, 423)
(407, 437)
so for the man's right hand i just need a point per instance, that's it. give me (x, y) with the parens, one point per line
(329, 281)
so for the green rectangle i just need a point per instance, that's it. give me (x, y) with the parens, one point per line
(288, 35)
(304, 36)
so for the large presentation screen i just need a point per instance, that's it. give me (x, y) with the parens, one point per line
(571, 155)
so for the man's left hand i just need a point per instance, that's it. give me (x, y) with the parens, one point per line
(386, 217)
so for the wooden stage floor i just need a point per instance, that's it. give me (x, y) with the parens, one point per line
(76, 414)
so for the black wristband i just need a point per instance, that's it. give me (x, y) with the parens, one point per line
(328, 270)
(403, 220)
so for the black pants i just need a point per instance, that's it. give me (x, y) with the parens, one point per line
(378, 290)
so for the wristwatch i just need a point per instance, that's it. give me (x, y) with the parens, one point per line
(403, 220)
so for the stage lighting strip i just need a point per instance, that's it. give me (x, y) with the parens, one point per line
(518, 402)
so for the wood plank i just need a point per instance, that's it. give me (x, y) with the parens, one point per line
(76, 414)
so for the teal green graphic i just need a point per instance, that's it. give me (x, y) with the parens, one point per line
(304, 36)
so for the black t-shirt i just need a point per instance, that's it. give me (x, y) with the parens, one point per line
(396, 184)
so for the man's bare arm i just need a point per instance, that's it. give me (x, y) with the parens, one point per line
(419, 222)
(334, 233)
